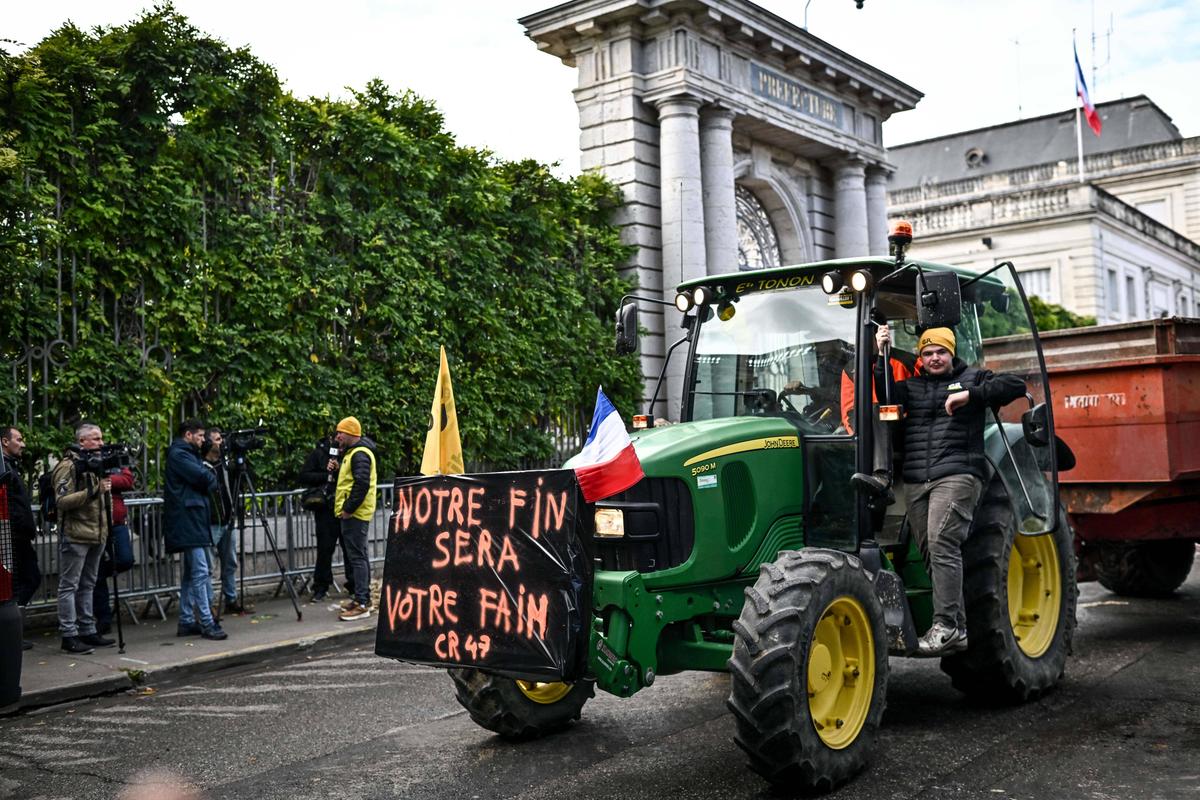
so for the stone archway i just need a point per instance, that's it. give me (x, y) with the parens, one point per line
(782, 198)
(758, 244)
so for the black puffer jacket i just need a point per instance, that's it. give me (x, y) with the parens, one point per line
(936, 444)
(20, 512)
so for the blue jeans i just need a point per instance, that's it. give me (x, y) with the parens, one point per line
(227, 556)
(77, 568)
(195, 588)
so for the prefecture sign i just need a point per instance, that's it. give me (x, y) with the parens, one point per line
(486, 571)
(784, 91)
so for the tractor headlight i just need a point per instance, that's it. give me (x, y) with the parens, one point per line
(831, 282)
(861, 281)
(610, 523)
(683, 301)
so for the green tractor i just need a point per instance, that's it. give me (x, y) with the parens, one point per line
(746, 547)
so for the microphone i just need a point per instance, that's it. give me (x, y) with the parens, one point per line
(333, 454)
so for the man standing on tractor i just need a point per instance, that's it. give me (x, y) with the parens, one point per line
(944, 466)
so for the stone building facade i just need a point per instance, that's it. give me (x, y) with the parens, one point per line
(740, 141)
(1121, 245)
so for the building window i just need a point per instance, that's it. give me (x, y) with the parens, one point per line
(1037, 282)
(1184, 306)
(1157, 210)
(758, 246)
(1131, 298)
(1161, 304)
(1114, 299)
(868, 128)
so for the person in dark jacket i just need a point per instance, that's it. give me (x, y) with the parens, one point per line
(220, 509)
(944, 466)
(354, 505)
(26, 575)
(320, 471)
(186, 489)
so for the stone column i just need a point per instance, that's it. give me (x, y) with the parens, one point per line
(850, 209)
(877, 228)
(683, 253)
(720, 205)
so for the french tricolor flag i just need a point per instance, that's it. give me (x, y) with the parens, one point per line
(1089, 110)
(607, 464)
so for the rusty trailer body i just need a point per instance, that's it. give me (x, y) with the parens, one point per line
(1127, 402)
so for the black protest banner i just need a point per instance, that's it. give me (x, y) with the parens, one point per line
(486, 571)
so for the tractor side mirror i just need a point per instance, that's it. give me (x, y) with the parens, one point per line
(1035, 424)
(627, 329)
(939, 300)
(1001, 301)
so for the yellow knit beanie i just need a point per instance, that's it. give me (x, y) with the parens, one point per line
(943, 337)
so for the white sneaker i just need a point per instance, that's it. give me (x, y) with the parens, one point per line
(942, 640)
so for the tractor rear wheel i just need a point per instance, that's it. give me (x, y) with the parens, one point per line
(1020, 594)
(809, 670)
(1153, 568)
(519, 709)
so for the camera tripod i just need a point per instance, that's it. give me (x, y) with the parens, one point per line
(110, 548)
(243, 487)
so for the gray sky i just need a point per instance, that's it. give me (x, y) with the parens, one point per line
(498, 91)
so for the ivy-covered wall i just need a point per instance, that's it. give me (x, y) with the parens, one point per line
(298, 259)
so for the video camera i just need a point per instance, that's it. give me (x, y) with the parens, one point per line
(104, 460)
(246, 439)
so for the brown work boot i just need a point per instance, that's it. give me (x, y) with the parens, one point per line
(355, 611)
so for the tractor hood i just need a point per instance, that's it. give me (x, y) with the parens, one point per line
(673, 449)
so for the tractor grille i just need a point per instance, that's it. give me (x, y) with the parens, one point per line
(660, 531)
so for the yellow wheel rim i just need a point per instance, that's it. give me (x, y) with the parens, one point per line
(1034, 593)
(841, 672)
(544, 693)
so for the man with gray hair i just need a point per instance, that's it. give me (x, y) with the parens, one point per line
(84, 501)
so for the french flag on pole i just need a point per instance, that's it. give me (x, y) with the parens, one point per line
(1089, 110)
(607, 464)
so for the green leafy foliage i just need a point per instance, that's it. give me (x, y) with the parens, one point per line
(230, 251)
(1047, 317)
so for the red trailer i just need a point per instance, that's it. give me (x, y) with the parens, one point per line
(1127, 401)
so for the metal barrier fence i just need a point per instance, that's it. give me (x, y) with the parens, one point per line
(155, 575)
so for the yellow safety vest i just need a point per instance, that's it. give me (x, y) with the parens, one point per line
(346, 482)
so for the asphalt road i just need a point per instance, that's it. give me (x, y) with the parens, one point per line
(1124, 724)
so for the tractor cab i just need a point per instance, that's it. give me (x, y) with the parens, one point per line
(788, 343)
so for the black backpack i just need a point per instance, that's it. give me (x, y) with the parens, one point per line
(47, 498)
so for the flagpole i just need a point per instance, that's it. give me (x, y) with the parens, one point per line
(1079, 142)
(1078, 109)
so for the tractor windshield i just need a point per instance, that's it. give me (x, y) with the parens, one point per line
(782, 353)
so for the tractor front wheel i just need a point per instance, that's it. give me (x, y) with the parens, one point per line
(809, 670)
(1020, 594)
(519, 709)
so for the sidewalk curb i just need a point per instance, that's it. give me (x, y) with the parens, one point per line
(172, 673)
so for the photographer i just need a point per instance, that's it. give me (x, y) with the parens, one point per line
(221, 520)
(118, 555)
(320, 473)
(186, 491)
(84, 504)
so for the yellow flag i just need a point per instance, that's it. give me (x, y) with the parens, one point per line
(443, 450)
